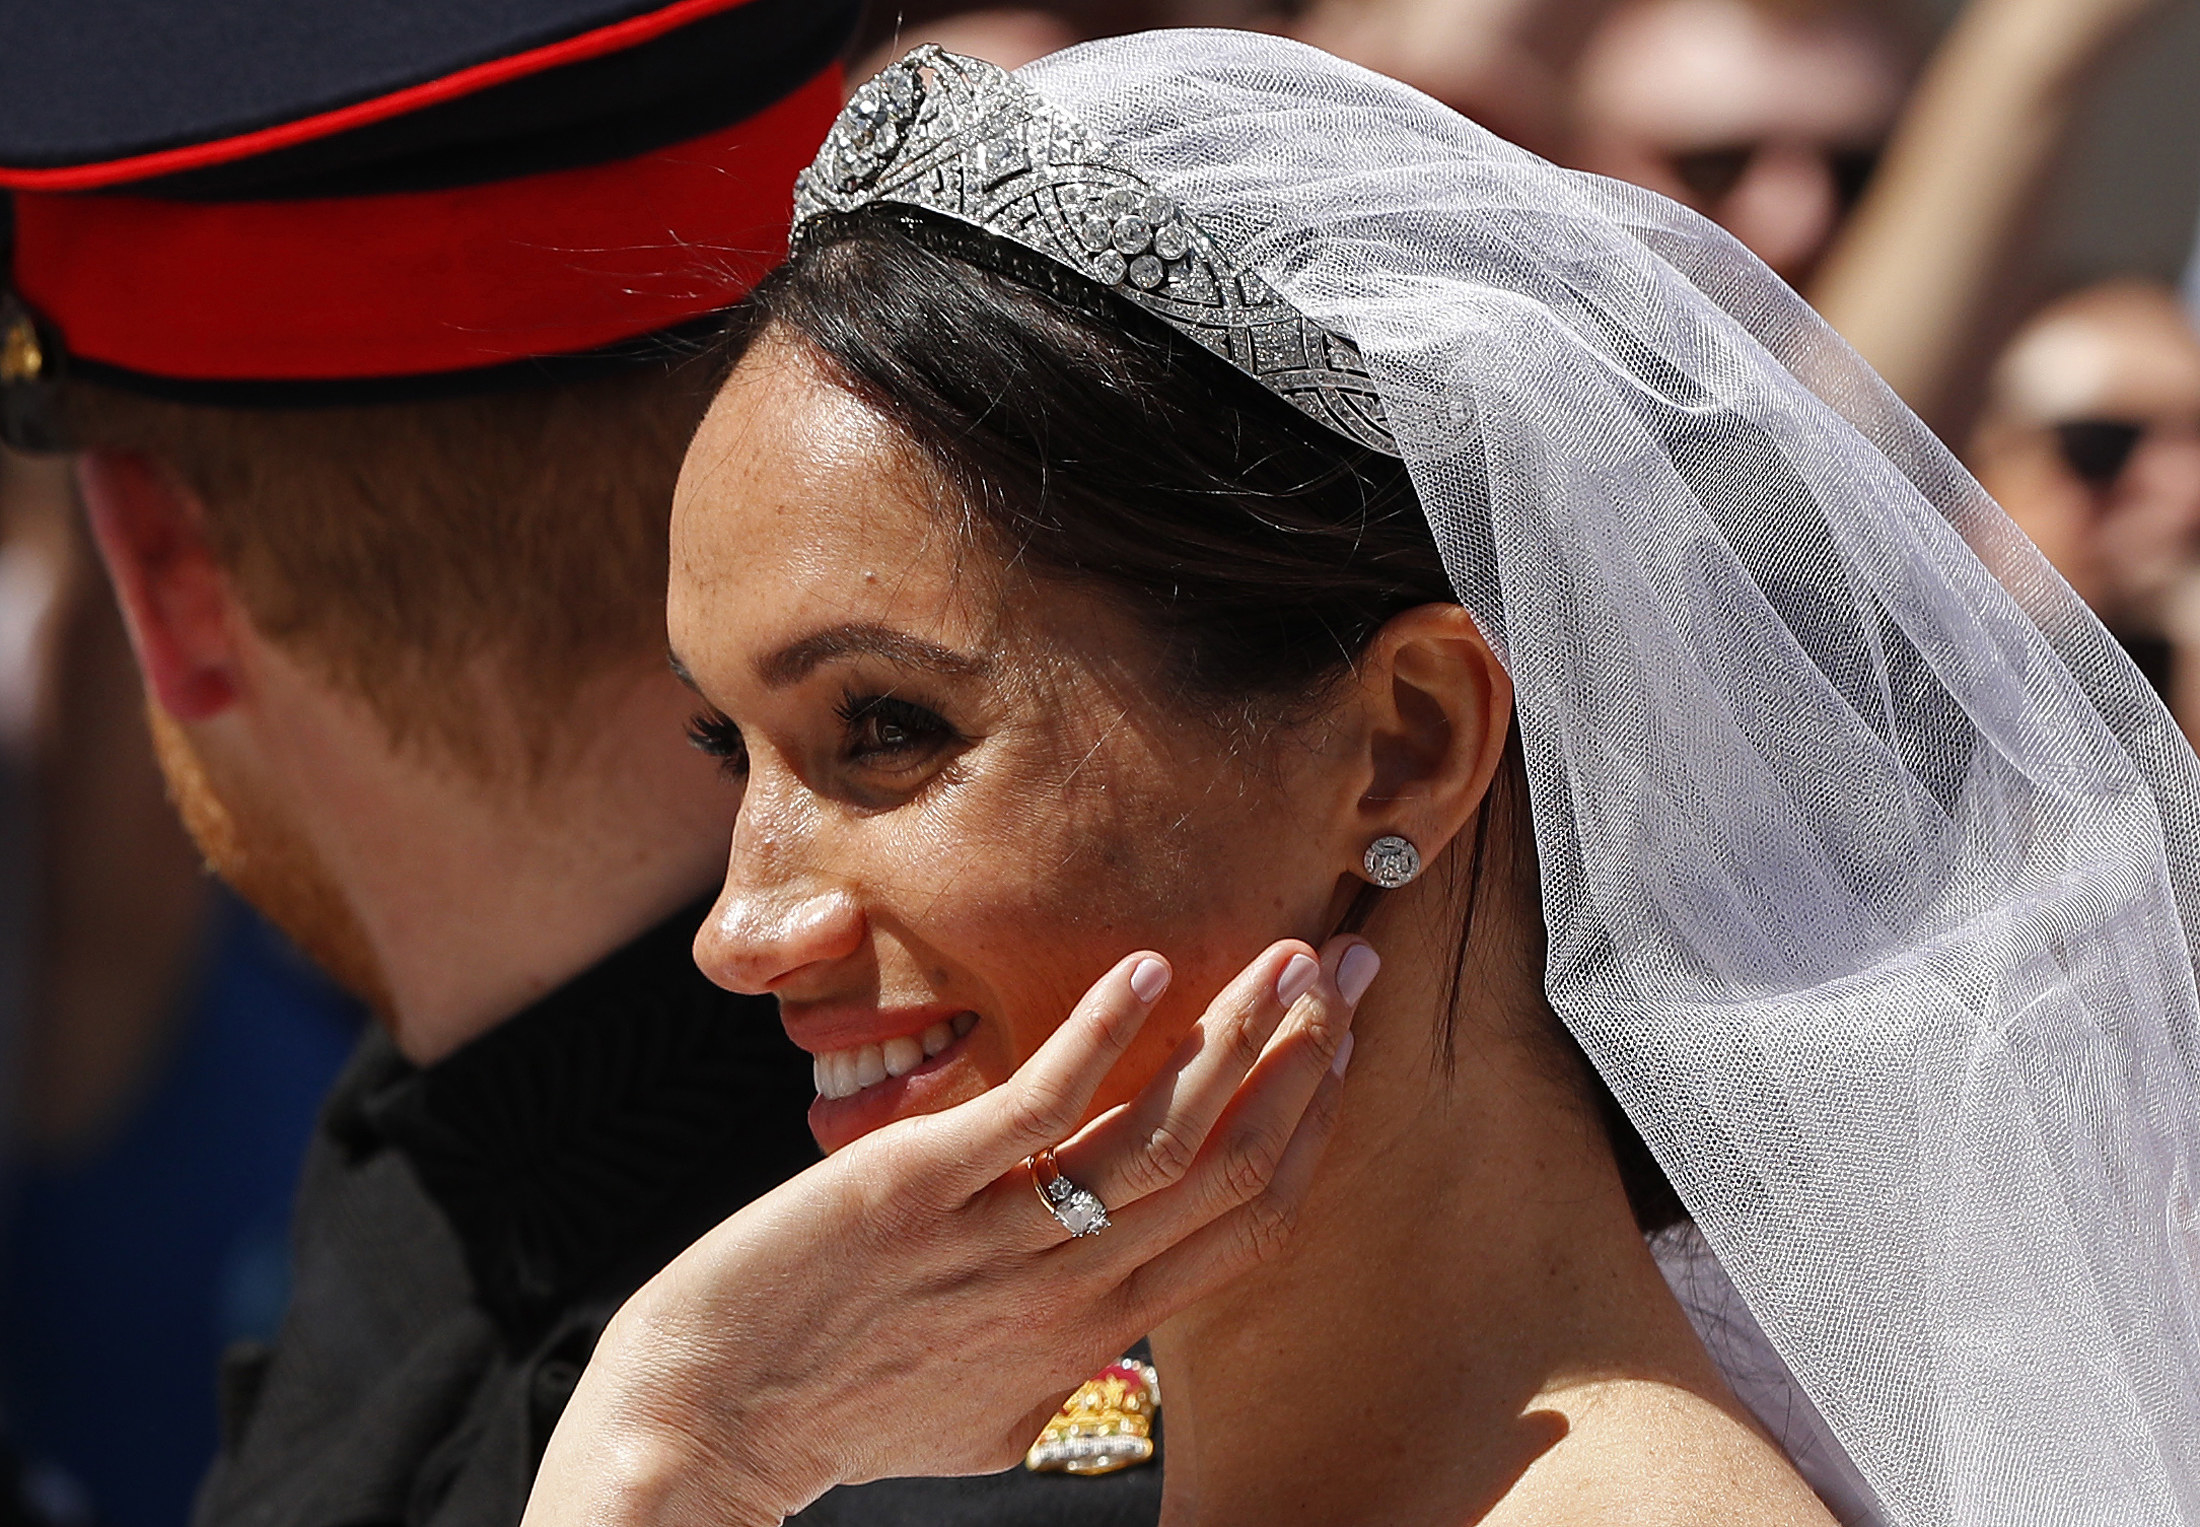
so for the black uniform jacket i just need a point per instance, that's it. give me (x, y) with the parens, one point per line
(464, 1231)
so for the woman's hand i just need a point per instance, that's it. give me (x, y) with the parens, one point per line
(909, 1306)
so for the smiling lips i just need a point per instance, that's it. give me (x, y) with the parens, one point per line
(844, 1073)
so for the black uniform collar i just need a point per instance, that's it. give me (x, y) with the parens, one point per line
(595, 1132)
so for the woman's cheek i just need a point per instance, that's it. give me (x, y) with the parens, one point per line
(1157, 1041)
(969, 910)
(1042, 866)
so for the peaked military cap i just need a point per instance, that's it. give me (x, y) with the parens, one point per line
(276, 202)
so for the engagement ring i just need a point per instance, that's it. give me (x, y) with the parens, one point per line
(1080, 1211)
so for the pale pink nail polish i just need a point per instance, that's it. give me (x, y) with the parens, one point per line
(1356, 972)
(1297, 980)
(1343, 1057)
(1149, 979)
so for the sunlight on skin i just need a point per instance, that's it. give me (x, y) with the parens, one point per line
(964, 796)
(957, 798)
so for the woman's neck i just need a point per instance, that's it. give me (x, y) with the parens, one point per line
(1466, 1272)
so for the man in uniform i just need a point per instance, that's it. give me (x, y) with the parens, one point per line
(377, 330)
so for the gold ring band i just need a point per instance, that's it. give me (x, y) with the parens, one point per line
(1077, 1210)
(1044, 1174)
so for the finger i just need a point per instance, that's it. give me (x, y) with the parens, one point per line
(1049, 1094)
(1289, 1026)
(1226, 1044)
(1153, 1142)
(1256, 1231)
(1263, 1120)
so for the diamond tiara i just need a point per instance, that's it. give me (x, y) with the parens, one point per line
(967, 140)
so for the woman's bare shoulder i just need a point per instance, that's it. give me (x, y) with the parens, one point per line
(1641, 1451)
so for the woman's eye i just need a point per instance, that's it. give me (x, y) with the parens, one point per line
(712, 733)
(886, 730)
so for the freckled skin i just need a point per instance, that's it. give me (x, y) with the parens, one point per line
(1071, 819)
(1489, 1338)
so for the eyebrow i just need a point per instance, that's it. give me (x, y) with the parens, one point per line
(797, 660)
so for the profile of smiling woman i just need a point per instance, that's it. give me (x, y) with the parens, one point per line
(1173, 491)
(990, 736)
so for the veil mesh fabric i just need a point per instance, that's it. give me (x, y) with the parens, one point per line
(1867, 873)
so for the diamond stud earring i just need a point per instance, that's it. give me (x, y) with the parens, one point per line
(1391, 861)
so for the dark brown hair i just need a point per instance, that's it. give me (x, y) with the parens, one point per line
(1088, 442)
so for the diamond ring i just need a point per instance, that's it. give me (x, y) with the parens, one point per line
(1080, 1211)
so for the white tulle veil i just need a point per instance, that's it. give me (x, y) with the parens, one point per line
(1867, 870)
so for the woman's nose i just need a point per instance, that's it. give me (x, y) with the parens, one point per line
(757, 944)
(776, 917)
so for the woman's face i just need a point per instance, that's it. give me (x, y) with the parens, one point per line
(963, 796)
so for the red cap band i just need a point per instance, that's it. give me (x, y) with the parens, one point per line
(420, 283)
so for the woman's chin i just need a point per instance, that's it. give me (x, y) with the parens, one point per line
(952, 1079)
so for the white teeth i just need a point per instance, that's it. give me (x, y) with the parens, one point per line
(902, 1055)
(844, 1073)
(836, 1074)
(870, 1066)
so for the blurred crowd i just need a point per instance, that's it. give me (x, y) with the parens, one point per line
(163, 1051)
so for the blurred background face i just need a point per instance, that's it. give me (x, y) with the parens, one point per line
(1010, 36)
(1497, 61)
(1766, 118)
(2091, 441)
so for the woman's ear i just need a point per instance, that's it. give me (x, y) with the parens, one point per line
(1436, 707)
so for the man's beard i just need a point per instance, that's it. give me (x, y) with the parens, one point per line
(267, 862)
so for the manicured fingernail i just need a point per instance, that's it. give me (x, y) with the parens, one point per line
(1344, 1057)
(1356, 972)
(1297, 980)
(1149, 979)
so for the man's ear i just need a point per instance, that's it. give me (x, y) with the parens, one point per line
(175, 598)
(1437, 708)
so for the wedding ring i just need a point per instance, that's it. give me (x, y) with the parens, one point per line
(1078, 1209)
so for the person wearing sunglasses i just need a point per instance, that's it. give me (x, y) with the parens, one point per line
(1766, 118)
(2091, 440)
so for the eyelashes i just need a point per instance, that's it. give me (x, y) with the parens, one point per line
(889, 729)
(879, 731)
(711, 733)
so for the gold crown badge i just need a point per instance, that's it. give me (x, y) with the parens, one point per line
(1106, 1425)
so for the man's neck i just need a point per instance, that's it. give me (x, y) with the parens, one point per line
(476, 897)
